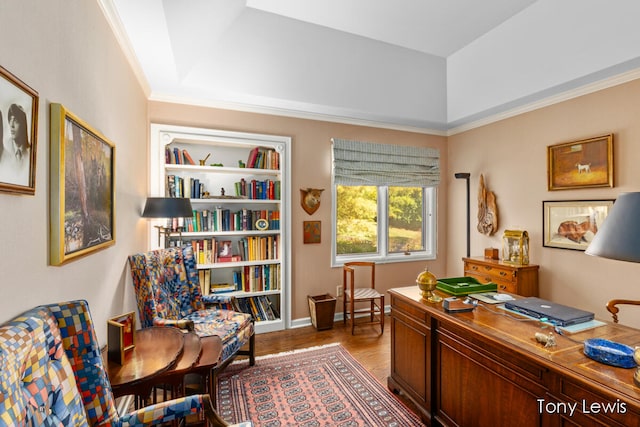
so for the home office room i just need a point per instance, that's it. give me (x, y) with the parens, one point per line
(486, 146)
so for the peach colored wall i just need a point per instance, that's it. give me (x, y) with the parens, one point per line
(67, 52)
(311, 167)
(512, 155)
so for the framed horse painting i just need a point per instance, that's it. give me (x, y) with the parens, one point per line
(571, 224)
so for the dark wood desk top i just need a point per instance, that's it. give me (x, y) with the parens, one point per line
(497, 327)
(156, 350)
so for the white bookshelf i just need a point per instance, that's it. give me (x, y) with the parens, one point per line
(225, 149)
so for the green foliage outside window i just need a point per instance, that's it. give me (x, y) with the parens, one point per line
(357, 219)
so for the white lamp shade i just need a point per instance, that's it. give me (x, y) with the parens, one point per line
(619, 236)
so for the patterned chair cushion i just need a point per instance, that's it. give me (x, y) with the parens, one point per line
(37, 383)
(168, 293)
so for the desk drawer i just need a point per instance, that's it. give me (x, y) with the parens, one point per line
(503, 285)
(495, 272)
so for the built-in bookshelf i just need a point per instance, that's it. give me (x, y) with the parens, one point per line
(239, 188)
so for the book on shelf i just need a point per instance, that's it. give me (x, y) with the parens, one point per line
(187, 160)
(204, 277)
(218, 288)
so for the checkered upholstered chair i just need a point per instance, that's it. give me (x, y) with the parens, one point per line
(51, 374)
(168, 294)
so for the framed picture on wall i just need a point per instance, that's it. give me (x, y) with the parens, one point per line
(18, 135)
(571, 224)
(311, 231)
(82, 200)
(581, 164)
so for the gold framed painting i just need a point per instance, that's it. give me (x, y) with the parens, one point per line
(572, 224)
(18, 135)
(581, 164)
(82, 200)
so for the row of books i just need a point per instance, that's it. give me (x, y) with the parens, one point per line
(259, 157)
(257, 278)
(176, 156)
(219, 219)
(188, 187)
(250, 248)
(253, 278)
(263, 158)
(260, 307)
(258, 190)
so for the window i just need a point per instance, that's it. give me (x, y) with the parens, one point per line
(385, 223)
(384, 198)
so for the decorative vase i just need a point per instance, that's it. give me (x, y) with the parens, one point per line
(427, 283)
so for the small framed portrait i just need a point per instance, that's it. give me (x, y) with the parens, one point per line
(18, 135)
(120, 336)
(581, 164)
(311, 231)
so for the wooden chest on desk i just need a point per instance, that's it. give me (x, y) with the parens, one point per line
(516, 279)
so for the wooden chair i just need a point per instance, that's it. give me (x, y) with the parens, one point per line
(353, 295)
(611, 306)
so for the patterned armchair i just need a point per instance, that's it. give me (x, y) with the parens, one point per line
(168, 293)
(52, 374)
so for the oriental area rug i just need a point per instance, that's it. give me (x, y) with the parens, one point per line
(318, 386)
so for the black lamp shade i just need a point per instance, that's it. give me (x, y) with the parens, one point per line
(619, 236)
(167, 207)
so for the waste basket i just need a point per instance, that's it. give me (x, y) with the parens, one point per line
(322, 309)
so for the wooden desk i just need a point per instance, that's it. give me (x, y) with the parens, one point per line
(486, 369)
(156, 350)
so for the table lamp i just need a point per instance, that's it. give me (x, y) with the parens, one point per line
(169, 208)
(619, 238)
(619, 235)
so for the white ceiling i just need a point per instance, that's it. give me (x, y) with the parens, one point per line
(436, 27)
(431, 65)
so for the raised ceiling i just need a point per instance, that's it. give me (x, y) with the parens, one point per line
(426, 65)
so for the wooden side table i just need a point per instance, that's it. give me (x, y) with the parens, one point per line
(156, 350)
(209, 360)
(173, 379)
(516, 279)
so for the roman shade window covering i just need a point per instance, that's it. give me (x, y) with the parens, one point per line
(365, 163)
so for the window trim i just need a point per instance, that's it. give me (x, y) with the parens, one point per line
(382, 256)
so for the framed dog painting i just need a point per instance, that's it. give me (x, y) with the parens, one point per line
(581, 164)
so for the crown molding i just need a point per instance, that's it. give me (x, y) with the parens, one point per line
(550, 100)
(296, 114)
